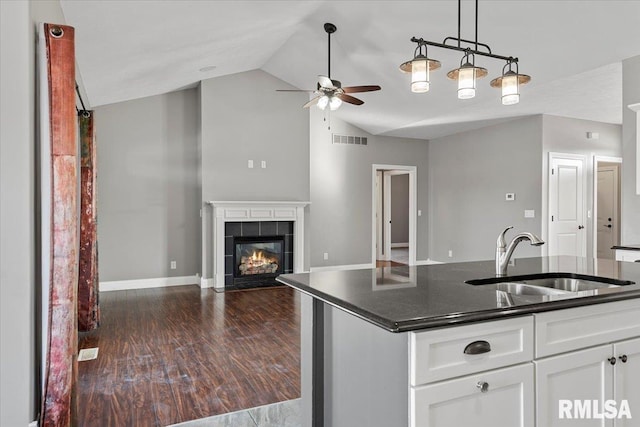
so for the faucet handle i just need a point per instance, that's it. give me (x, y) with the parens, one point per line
(501, 243)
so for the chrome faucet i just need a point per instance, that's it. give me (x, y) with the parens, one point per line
(504, 252)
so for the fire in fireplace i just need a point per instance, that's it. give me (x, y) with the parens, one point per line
(257, 258)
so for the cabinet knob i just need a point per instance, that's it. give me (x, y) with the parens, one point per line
(623, 358)
(477, 347)
(612, 360)
(483, 386)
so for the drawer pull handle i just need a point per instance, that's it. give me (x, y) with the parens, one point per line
(483, 386)
(477, 347)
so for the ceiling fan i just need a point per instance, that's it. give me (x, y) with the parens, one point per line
(329, 92)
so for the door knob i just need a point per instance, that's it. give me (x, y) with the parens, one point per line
(608, 225)
(580, 227)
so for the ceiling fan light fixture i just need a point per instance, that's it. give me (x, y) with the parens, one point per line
(323, 101)
(334, 103)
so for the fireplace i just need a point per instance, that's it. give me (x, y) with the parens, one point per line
(257, 258)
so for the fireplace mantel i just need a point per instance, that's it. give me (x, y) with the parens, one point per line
(239, 211)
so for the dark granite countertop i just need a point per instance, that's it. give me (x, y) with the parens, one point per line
(627, 247)
(401, 299)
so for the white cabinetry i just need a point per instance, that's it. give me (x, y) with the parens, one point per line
(627, 379)
(627, 255)
(507, 400)
(489, 394)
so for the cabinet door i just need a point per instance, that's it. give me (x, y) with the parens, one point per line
(627, 380)
(580, 375)
(506, 401)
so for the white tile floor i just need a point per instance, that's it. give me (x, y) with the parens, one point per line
(281, 414)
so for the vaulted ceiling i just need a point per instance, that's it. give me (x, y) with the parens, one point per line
(572, 50)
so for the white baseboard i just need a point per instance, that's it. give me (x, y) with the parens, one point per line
(400, 245)
(206, 283)
(428, 262)
(160, 282)
(341, 267)
(33, 423)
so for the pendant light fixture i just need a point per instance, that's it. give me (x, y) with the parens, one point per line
(510, 82)
(467, 74)
(420, 68)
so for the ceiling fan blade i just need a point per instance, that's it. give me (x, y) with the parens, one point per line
(350, 99)
(294, 90)
(312, 102)
(356, 89)
(325, 82)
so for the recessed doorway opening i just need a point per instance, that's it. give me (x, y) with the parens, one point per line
(606, 205)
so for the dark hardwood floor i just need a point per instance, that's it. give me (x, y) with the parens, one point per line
(169, 355)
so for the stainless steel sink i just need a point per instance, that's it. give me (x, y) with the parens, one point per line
(570, 284)
(526, 289)
(547, 287)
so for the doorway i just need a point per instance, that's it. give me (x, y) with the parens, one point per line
(394, 215)
(567, 184)
(606, 206)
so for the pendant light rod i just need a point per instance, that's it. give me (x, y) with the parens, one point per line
(464, 49)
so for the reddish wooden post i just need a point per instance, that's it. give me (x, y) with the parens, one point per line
(88, 308)
(58, 406)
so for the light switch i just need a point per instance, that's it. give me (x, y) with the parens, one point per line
(529, 213)
(419, 212)
(263, 164)
(250, 164)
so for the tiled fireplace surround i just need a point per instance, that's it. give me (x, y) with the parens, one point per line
(259, 218)
(252, 229)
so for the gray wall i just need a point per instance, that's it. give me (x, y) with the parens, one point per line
(566, 135)
(148, 201)
(244, 118)
(469, 174)
(19, 320)
(630, 200)
(341, 190)
(400, 208)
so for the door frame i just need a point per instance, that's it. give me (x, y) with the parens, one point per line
(413, 203)
(594, 218)
(547, 217)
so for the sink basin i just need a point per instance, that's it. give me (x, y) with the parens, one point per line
(547, 287)
(526, 289)
(570, 284)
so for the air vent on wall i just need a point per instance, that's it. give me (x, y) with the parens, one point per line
(348, 139)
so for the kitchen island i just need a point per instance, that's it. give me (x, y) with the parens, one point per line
(418, 346)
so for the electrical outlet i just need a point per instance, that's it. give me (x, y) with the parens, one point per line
(510, 197)
(419, 212)
(512, 262)
(326, 256)
(450, 253)
(529, 213)
(173, 265)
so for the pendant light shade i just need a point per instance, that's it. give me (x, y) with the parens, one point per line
(466, 76)
(510, 82)
(420, 68)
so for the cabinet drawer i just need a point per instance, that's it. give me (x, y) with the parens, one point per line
(440, 354)
(507, 400)
(566, 330)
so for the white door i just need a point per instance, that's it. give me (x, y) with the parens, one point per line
(627, 379)
(566, 207)
(579, 375)
(607, 207)
(379, 215)
(506, 401)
